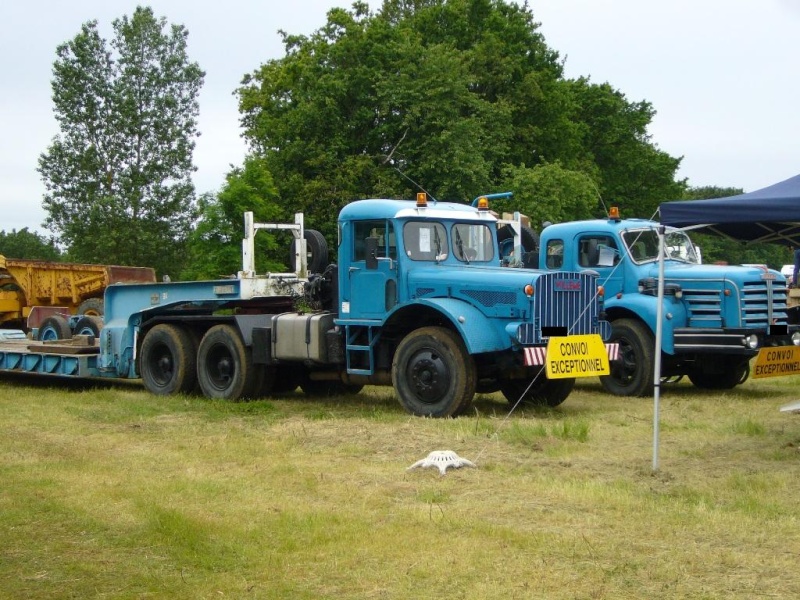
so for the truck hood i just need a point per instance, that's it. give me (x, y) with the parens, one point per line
(477, 277)
(674, 270)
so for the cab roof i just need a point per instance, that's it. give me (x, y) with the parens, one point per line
(376, 208)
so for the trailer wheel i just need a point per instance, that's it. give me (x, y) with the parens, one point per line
(433, 374)
(542, 392)
(88, 325)
(316, 252)
(54, 328)
(225, 365)
(92, 307)
(168, 360)
(632, 374)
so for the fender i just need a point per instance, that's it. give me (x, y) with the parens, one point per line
(645, 306)
(479, 333)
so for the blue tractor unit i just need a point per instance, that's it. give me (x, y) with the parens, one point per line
(716, 317)
(418, 300)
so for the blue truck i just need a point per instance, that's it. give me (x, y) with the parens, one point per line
(418, 300)
(716, 317)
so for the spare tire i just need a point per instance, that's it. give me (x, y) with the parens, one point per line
(316, 252)
(530, 244)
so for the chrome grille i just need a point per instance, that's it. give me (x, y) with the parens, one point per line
(565, 301)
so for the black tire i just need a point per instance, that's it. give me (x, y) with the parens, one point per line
(168, 362)
(530, 244)
(733, 372)
(54, 328)
(433, 374)
(316, 252)
(542, 392)
(92, 306)
(632, 374)
(88, 325)
(225, 365)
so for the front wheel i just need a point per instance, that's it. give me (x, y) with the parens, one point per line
(632, 373)
(726, 376)
(225, 365)
(541, 392)
(433, 374)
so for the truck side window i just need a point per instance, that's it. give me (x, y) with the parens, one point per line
(424, 240)
(387, 246)
(555, 254)
(597, 251)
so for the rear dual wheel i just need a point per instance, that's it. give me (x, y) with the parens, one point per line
(169, 360)
(225, 367)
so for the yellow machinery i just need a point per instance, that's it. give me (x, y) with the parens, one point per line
(75, 288)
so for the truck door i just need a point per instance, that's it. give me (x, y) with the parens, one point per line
(600, 253)
(373, 272)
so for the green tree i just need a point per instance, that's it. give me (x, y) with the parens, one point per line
(549, 192)
(118, 175)
(28, 244)
(214, 246)
(446, 95)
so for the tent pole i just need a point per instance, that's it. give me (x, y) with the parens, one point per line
(659, 336)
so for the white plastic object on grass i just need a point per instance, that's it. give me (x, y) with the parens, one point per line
(442, 459)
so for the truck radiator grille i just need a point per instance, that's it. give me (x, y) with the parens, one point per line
(488, 298)
(705, 307)
(563, 304)
(757, 298)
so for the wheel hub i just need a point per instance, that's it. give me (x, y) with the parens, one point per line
(428, 377)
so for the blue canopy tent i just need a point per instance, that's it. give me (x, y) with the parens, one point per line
(771, 214)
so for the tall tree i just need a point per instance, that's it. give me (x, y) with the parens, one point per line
(214, 247)
(118, 175)
(454, 96)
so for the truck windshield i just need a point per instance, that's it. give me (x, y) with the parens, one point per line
(425, 240)
(642, 245)
(472, 242)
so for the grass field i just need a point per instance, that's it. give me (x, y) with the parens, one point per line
(114, 493)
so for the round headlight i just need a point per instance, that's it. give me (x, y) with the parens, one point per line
(796, 338)
(751, 341)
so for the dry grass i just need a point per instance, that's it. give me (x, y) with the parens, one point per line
(113, 493)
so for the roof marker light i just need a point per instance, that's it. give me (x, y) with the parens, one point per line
(483, 203)
(422, 199)
(613, 213)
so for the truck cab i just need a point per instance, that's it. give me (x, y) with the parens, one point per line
(716, 317)
(411, 272)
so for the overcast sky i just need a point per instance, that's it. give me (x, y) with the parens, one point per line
(721, 74)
